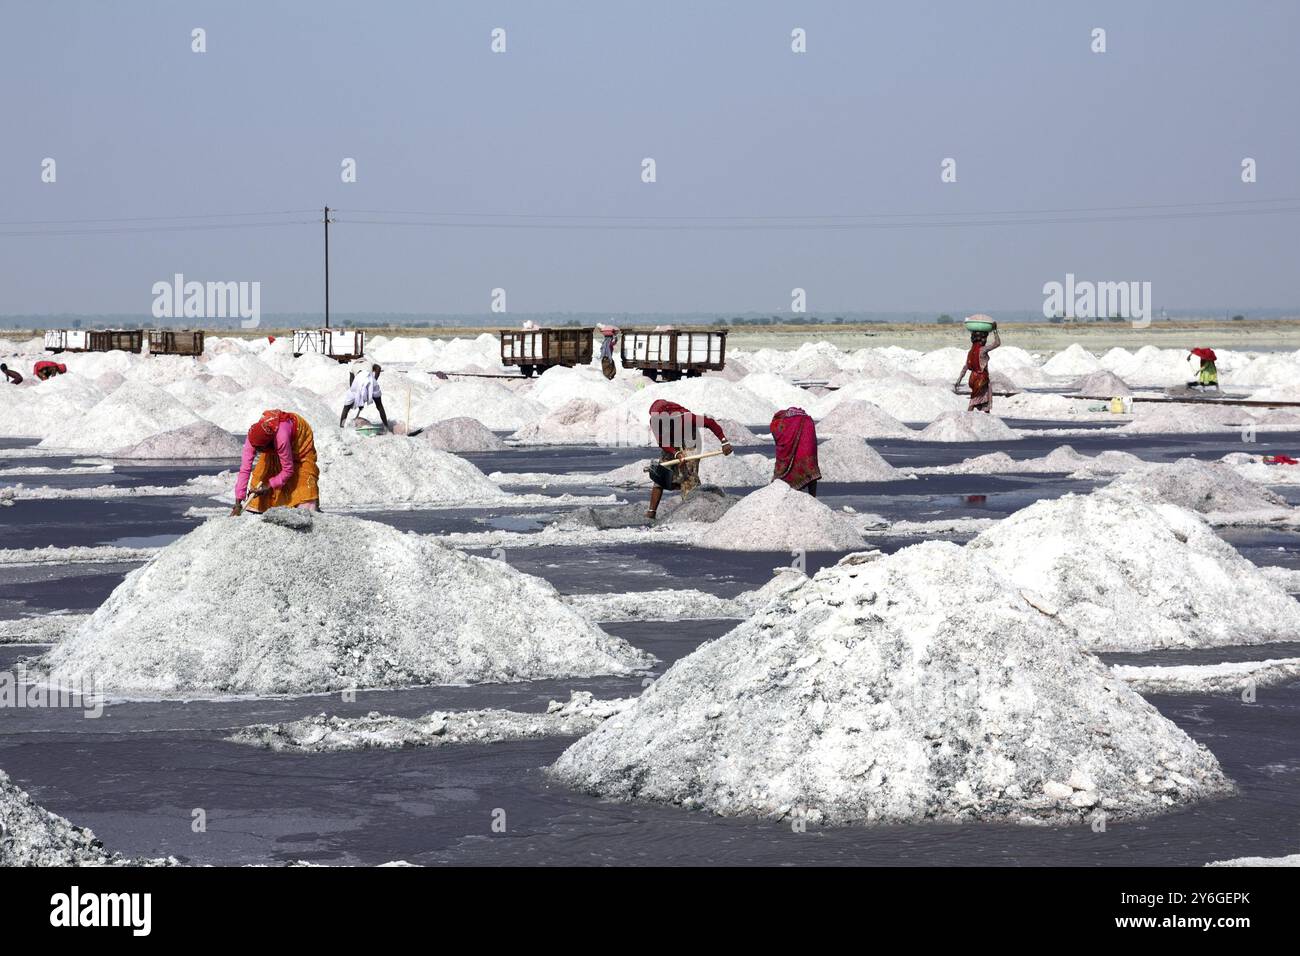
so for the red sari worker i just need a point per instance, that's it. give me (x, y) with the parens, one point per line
(796, 450)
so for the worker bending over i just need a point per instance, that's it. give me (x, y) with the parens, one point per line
(1208, 376)
(977, 363)
(12, 377)
(363, 389)
(676, 431)
(796, 450)
(46, 370)
(286, 474)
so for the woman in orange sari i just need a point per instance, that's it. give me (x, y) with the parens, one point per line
(286, 473)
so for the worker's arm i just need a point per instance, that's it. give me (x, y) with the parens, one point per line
(957, 384)
(245, 469)
(994, 341)
(284, 451)
(379, 404)
(718, 433)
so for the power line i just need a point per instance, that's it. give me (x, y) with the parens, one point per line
(819, 216)
(124, 230)
(806, 226)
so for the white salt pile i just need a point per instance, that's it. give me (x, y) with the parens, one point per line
(903, 401)
(289, 603)
(1102, 384)
(32, 836)
(846, 458)
(197, 440)
(46, 408)
(736, 471)
(559, 385)
(862, 420)
(1130, 574)
(1174, 419)
(777, 518)
(494, 405)
(573, 423)
(873, 694)
(391, 470)
(967, 426)
(1075, 360)
(461, 434)
(235, 411)
(131, 414)
(1229, 678)
(736, 433)
(579, 715)
(775, 389)
(1061, 460)
(1204, 486)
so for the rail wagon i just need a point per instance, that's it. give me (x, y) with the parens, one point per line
(668, 355)
(183, 342)
(66, 340)
(342, 345)
(534, 350)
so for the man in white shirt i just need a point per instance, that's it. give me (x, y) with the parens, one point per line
(363, 389)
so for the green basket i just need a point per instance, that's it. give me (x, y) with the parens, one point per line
(369, 430)
(973, 326)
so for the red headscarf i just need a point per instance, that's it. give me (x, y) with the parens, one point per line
(262, 432)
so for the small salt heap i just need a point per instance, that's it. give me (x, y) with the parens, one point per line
(967, 426)
(460, 435)
(778, 518)
(1204, 486)
(862, 420)
(198, 440)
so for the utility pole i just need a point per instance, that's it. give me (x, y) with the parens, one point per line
(327, 267)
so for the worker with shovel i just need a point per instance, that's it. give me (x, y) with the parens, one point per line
(363, 389)
(286, 474)
(796, 450)
(676, 430)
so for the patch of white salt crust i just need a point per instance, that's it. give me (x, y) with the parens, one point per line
(579, 715)
(1229, 678)
(872, 694)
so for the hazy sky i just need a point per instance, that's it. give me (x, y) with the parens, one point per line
(558, 125)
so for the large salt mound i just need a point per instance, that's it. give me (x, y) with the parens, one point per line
(559, 385)
(200, 439)
(237, 410)
(1174, 419)
(1204, 486)
(32, 836)
(1130, 574)
(573, 423)
(395, 470)
(258, 606)
(872, 694)
(1102, 384)
(461, 434)
(494, 405)
(862, 420)
(851, 459)
(967, 426)
(774, 389)
(736, 471)
(45, 408)
(1075, 360)
(131, 414)
(903, 401)
(777, 518)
